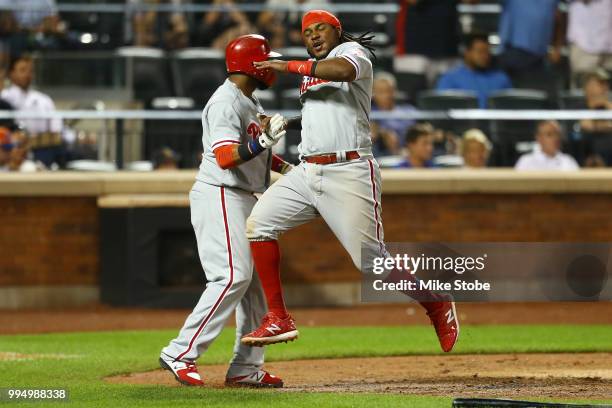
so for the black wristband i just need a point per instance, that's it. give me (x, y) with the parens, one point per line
(313, 68)
(246, 151)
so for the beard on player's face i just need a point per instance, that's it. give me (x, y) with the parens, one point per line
(320, 39)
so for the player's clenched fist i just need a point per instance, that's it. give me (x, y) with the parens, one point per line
(275, 130)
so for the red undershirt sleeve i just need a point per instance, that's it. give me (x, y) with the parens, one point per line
(227, 156)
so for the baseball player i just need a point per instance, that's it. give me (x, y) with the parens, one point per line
(337, 177)
(236, 164)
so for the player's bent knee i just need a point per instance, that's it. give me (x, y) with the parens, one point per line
(255, 231)
(250, 227)
(364, 259)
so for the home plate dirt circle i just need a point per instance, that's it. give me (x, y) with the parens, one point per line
(582, 375)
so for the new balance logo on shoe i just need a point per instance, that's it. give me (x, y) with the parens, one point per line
(446, 322)
(273, 328)
(449, 316)
(259, 378)
(258, 375)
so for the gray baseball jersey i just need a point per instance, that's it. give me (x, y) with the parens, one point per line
(346, 194)
(220, 202)
(341, 109)
(230, 117)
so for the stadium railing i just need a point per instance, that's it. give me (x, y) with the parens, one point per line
(120, 116)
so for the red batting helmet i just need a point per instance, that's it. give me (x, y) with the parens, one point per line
(246, 49)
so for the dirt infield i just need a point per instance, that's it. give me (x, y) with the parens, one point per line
(586, 376)
(98, 318)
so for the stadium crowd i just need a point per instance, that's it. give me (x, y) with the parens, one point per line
(442, 59)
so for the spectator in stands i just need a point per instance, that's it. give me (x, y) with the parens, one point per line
(475, 149)
(427, 37)
(386, 132)
(6, 146)
(476, 74)
(547, 153)
(8, 30)
(7, 123)
(45, 134)
(166, 159)
(150, 28)
(222, 25)
(22, 159)
(597, 97)
(37, 15)
(141, 31)
(594, 161)
(176, 34)
(38, 21)
(283, 27)
(419, 147)
(526, 33)
(589, 34)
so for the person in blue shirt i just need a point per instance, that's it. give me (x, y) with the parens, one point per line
(526, 30)
(419, 147)
(388, 134)
(475, 73)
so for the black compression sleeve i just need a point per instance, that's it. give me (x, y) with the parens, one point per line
(294, 123)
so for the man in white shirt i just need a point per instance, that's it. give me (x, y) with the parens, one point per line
(547, 153)
(589, 33)
(45, 134)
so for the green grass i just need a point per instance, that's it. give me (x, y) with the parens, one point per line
(101, 354)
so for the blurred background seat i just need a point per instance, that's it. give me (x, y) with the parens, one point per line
(507, 134)
(450, 99)
(412, 84)
(182, 136)
(573, 99)
(147, 73)
(376, 23)
(197, 73)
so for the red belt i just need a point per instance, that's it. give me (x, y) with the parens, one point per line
(331, 158)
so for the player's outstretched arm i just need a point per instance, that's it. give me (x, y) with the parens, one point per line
(334, 69)
(233, 155)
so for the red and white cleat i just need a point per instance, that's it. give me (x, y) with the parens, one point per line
(273, 330)
(445, 321)
(258, 379)
(185, 372)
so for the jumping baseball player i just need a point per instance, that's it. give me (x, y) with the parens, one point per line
(337, 177)
(236, 164)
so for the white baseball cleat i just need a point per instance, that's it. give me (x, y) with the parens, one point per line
(185, 372)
